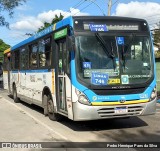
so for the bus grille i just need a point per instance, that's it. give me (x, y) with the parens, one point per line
(110, 112)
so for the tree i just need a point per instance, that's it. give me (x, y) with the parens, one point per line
(46, 24)
(54, 20)
(3, 46)
(156, 35)
(8, 6)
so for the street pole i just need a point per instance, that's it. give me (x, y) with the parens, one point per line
(109, 7)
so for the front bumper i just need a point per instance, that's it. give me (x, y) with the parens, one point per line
(84, 112)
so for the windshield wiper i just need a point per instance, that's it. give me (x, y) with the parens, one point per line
(131, 40)
(124, 52)
(105, 46)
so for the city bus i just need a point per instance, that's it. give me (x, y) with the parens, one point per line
(86, 68)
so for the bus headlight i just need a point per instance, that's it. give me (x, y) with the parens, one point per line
(83, 99)
(77, 92)
(153, 94)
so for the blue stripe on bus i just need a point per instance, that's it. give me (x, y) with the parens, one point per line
(15, 71)
(31, 71)
(64, 22)
(36, 36)
(75, 83)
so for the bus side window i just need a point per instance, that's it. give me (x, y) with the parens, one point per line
(23, 58)
(33, 56)
(44, 52)
(15, 60)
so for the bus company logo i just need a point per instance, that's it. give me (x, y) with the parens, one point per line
(122, 101)
(94, 98)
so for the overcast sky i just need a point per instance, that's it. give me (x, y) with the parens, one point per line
(30, 16)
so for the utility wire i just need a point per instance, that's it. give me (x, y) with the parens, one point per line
(91, 2)
(74, 7)
(115, 2)
(83, 8)
(77, 5)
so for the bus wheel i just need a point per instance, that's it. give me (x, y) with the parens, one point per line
(50, 109)
(16, 99)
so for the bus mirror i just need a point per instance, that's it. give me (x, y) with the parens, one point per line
(71, 43)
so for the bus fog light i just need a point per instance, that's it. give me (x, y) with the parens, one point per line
(82, 99)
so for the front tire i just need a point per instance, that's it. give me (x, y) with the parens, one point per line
(50, 109)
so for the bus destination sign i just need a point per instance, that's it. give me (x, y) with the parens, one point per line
(98, 27)
(110, 27)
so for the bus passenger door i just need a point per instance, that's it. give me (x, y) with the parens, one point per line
(63, 89)
(23, 67)
(22, 76)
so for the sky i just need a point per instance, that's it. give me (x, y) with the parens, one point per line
(32, 14)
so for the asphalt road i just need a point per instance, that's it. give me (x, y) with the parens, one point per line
(26, 123)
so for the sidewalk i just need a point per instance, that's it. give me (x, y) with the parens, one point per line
(16, 125)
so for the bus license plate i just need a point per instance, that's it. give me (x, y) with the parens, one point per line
(121, 110)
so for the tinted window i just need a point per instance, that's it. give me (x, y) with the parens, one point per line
(33, 55)
(44, 46)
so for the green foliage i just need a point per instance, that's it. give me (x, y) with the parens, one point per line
(3, 46)
(156, 34)
(157, 54)
(8, 6)
(55, 20)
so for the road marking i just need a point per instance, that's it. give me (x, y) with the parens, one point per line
(34, 118)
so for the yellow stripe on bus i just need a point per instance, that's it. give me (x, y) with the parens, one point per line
(54, 27)
(5, 72)
(119, 103)
(53, 82)
(7, 50)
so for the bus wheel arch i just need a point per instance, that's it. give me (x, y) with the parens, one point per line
(46, 91)
(48, 105)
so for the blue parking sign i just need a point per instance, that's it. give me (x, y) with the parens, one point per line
(120, 40)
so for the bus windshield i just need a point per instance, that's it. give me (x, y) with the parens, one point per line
(113, 59)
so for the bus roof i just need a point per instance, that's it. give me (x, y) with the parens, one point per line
(58, 25)
(69, 21)
(108, 18)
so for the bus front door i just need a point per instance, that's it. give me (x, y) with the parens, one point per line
(61, 76)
